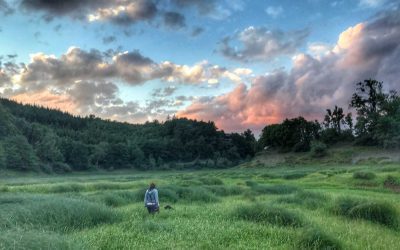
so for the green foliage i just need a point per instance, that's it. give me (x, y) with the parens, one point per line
(59, 139)
(266, 214)
(291, 135)
(364, 175)
(318, 149)
(378, 115)
(374, 211)
(2, 157)
(19, 153)
(316, 239)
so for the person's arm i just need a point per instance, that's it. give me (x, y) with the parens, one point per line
(145, 197)
(156, 196)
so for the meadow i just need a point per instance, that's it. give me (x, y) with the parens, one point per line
(285, 207)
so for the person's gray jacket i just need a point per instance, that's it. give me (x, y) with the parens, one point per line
(151, 197)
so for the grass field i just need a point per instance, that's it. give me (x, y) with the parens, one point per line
(302, 207)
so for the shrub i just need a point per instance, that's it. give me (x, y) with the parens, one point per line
(318, 149)
(60, 167)
(266, 214)
(276, 189)
(364, 175)
(313, 238)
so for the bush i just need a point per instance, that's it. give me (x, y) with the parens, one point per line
(60, 167)
(266, 214)
(377, 212)
(364, 175)
(277, 189)
(316, 239)
(318, 149)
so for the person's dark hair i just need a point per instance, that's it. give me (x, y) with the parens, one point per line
(152, 186)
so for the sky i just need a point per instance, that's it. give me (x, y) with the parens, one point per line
(243, 64)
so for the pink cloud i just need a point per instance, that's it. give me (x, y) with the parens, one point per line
(316, 82)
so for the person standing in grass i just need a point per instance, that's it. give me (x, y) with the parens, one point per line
(151, 199)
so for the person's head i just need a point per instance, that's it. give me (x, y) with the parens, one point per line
(152, 186)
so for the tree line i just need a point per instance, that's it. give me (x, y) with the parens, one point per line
(377, 123)
(42, 139)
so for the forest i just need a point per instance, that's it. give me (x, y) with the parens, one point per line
(34, 138)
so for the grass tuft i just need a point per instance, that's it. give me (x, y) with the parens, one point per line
(364, 175)
(276, 189)
(266, 214)
(311, 200)
(374, 211)
(211, 181)
(315, 239)
(53, 213)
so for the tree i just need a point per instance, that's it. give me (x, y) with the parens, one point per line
(2, 157)
(19, 153)
(334, 119)
(292, 134)
(368, 101)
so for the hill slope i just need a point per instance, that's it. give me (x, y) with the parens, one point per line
(34, 138)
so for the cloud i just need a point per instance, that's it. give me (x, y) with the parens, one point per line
(371, 3)
(174, 20)
(109, 39)
(126, 12)
(84, 82)
(202, 6)
(274, 12)
(366, 50)
(197, 31)
(5, 8)
(168, 91)
(261, 44)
